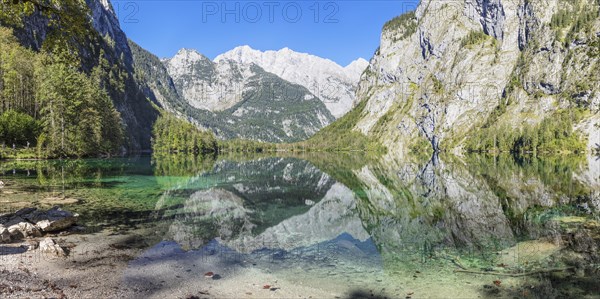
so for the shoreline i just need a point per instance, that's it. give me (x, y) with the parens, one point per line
(136, 263)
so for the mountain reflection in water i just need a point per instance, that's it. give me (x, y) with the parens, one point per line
(357, 224)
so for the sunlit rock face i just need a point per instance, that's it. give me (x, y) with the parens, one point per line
(441, 73)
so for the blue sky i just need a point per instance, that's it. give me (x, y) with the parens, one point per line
(339, 30)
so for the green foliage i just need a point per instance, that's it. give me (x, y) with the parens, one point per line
(514, 83)
(474, 38)
(77, 115)
(562, 19)
(246, 146)
(17, 82)
(573, 18)
(421, 148)
(497, 112)
(340, 136)
(342, 167)
(12, 12)
(554, 134)
(270, 109)
(556, 172)
(151, 73)
(438, 86)
(385, 121)
(49, 95)
(63, 29)
(68, 23)
(18, 128)
(174, 135)
(407, 23)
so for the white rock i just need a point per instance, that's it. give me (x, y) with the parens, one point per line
(24, 230)
(49, 247)
(53, 220)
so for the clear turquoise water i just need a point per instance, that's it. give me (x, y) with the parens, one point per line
(335, 217)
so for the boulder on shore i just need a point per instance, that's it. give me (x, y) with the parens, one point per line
(49, 247)
(24, 230)
(55, 219)
(33, 223)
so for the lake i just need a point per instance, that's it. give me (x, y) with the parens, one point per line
(331, 224)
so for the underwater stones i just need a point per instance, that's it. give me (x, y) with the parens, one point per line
(25, 211)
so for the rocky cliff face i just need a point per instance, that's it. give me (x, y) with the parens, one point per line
(131, 100)
(333, 84)
(107, 25)
(452, 69)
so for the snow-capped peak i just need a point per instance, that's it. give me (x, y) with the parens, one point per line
(329, 81)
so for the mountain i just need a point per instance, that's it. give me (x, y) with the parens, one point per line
(489, 75)
(137, 112)
(230, 98)
(238, 100)
(207, 85)
(333, 84)
(154, 78)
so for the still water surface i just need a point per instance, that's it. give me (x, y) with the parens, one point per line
(475, 226)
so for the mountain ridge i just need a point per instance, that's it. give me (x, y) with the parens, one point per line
(333, 84)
